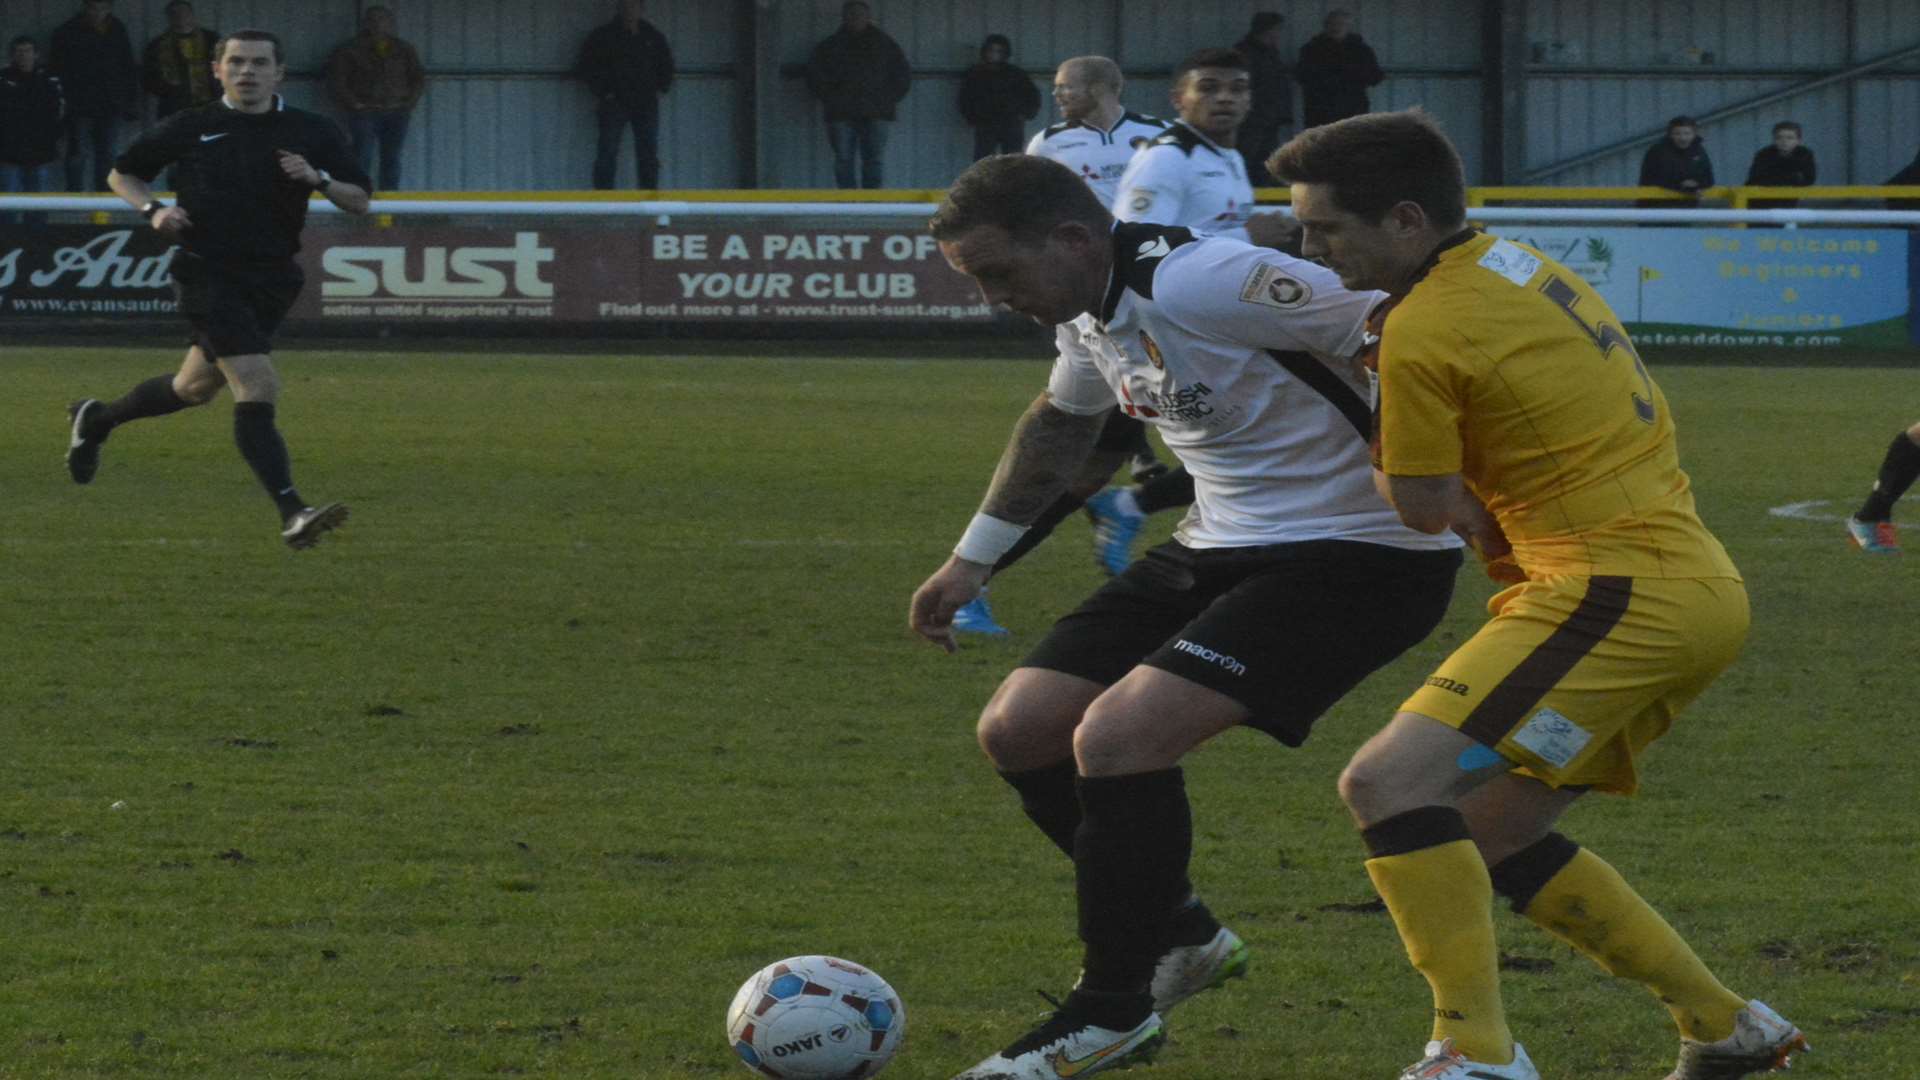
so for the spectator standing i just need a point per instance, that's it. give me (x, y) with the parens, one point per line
(997, 99)
(31, 107)
(93, 57)
(1786, 163)
(1678, 162)
(1335, 69)
(177, 66)
(378, 79)
(627, 65)
(859, 74)
(1272, 110)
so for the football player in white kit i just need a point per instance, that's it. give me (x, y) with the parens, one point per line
(1288, 583)
(1190, 175)
(1096, 137)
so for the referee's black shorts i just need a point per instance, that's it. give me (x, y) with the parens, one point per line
(234, 306)
(1284, 629)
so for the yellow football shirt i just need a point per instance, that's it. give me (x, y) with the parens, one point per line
(1504, 366)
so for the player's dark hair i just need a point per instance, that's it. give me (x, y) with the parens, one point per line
(1683, 121)
(1787, 125)
(1376, 161)
(23, 39)
(1209, 58)
(1025, 195)
(279, 50)
(168, 10)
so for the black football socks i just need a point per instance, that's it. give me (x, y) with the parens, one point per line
(1052, 803)
(260, 443)
(1897, 471)
(154, 397)
(1130, 860)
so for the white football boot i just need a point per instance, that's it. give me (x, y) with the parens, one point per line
(1186, 970)
(1762, 1042)
(1443, 1062)
(1072, 1044)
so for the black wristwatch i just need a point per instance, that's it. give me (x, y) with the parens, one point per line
(324, 182)
(153, 207)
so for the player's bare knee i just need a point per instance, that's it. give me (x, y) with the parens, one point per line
(1364, 787)
(196, 391)
(1016, 736)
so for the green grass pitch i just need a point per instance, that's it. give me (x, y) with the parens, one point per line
(604, 699)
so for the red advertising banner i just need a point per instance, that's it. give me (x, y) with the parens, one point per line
(753, 274)
(527, 275)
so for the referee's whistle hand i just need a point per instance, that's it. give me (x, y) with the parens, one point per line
(172, 221)
(297, 168)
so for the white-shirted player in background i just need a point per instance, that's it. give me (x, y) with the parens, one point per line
(1193, 175)
(1288, 583)
(1096, 137)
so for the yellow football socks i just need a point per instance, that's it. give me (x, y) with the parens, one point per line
(1442, 901)
(1591, 907)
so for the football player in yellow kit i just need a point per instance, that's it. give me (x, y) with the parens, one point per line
(1511, 407)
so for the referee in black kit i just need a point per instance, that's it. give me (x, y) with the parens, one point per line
(246, 166)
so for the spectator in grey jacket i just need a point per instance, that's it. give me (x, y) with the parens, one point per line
(378, 79)
(859, 74)
(1272, 111)
(93, 56)
(1335, 69)
(627, 65)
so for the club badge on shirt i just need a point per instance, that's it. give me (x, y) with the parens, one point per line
(1153, 351)
(1268, 285)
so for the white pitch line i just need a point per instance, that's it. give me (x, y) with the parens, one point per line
(1811, 510)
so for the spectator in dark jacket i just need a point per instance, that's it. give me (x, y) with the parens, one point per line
(996, 99)
(1786, 163)
(93, 57)
(1335, 69)
(1272, 111)
(1678, 162)
(31, 106)
(627, 65)
(378, 79)
(177, 66)
(859, 74)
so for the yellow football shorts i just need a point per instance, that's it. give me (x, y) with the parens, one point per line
(1574, 676)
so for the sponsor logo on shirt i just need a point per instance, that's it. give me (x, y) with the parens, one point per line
(1270, 286)
(1156, 248)
(1507, 259)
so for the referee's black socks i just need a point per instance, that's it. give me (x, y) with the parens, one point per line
(155, 397)
(260, 443)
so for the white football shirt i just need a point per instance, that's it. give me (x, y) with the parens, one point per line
(1100, 157)
(1240, 355)
(1185, 178)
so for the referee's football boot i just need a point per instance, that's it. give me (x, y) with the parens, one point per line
(1186, 970)
(1443, 1062)
(974, 617)
(1872, 537)
(1116, 525)
(83, 451)
(1090, 1032)
(306, 526)
(1762, 1042)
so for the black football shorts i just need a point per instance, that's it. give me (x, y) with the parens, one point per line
(234, 307)
(1284, 629)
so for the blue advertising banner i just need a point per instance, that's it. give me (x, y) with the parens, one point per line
(1817, 288)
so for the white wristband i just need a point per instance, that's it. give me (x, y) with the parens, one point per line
(987, 538)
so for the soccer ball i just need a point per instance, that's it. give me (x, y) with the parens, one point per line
(815, 1018)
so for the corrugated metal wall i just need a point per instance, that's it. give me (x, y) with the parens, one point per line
(500, 112)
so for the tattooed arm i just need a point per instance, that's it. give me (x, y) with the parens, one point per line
(1044, 455)
(1048, 448)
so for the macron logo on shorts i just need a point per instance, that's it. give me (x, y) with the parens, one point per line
(1227, 663)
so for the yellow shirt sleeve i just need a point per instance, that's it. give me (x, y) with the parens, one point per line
(1423, 396)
